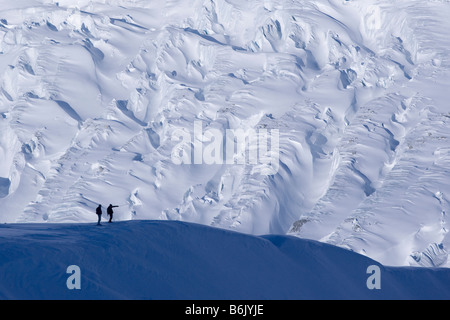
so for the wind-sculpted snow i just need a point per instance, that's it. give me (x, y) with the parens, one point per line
(92, 94)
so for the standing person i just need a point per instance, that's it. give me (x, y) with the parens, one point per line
(110, 212)
(98, 211)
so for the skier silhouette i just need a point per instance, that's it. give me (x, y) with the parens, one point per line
(98, 211)
(110, 211)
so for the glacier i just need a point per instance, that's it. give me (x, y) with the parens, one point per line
(92, 92)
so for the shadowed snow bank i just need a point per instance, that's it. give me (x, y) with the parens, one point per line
(179, 260)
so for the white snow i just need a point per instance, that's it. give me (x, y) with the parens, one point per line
(91, 93)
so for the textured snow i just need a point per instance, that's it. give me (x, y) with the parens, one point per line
(91, 93)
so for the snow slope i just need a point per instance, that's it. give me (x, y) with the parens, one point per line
(91, 93)
(178, 260)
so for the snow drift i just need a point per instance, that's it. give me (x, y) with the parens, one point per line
(179, 260)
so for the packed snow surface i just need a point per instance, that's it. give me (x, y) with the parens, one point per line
(92, 93)
(178, 260)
